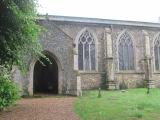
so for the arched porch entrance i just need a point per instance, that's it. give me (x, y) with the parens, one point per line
(45, 78)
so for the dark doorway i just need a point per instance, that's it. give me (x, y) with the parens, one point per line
(46, 76)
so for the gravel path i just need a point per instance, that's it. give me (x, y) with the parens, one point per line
(42, 109)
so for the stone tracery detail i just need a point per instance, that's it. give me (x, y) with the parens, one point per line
(125, 52)
(86, 52)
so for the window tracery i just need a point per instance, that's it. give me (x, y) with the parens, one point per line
(86, 52)
(125, 52)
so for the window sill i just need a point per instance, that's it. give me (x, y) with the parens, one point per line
(130, 72)
(90, 72)
(156, 72)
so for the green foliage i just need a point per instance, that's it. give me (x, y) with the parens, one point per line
(9, 91)
(134, 104)
(18, 43)
(18, 32)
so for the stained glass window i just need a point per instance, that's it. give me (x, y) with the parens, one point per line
(157, 52)
(125, 52)
(86, 52)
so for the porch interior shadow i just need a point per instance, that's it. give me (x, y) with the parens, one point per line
(46, 76)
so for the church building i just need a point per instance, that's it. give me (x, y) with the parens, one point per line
(91, 53)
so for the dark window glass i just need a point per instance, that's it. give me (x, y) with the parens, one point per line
(80, 56)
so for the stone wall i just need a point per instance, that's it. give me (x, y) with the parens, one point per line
(91, 80)
(61, 45)
(129, 80)
(74, 29)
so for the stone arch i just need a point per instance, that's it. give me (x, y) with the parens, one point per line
(76, 47)
(31, 73)
(133, 42)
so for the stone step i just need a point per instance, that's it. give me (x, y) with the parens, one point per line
(111, 85)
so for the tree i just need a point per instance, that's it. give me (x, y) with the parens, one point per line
(18, 32)
(18, 42)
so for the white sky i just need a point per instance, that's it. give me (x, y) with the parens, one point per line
(135, 10)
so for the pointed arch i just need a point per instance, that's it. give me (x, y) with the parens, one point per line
(31, 72)
(156, 45)
(86, 46)
(125, 51)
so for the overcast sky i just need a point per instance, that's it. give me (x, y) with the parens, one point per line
(135, 10)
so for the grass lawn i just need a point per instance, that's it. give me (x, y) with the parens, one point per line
(134, 104)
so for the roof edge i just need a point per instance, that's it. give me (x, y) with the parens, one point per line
(97, 21)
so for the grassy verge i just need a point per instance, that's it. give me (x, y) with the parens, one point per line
(134, 104)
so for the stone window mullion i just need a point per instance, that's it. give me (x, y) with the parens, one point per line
(89, 58)
(84, 57)
(123, 62)
(158, 57)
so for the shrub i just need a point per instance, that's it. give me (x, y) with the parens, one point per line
(9, 91)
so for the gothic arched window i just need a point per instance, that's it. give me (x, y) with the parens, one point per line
(157, 52)
(86, 52)
(125, 52)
